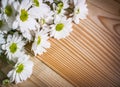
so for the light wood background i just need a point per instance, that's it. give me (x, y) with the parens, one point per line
(89, 57)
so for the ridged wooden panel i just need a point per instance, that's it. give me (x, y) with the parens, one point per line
(90, 56)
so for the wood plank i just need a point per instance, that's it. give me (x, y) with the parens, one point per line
(90, 56)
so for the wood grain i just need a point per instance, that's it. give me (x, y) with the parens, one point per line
(43, 76)
(90, 56)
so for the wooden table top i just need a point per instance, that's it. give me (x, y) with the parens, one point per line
(89, 57)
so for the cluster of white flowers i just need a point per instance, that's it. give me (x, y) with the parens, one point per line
(35, 21)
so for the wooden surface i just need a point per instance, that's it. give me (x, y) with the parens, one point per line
(89, 57)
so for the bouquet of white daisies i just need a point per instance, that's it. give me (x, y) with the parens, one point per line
(34, 21)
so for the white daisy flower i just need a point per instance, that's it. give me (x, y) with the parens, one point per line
(47, 19)
(24, 21)
(14, 45)
(39, 9)
(41, 42)
(44, 14)
(9, 11)
(3, 24)
(80, 10)
(22, 69)
(60, 8)
(61, 28)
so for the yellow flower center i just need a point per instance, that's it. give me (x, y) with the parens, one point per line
(8, 10)
(24, 15)
(20, 68)
(60, 6)
(42, 21)
(13, 47)
(77, 11)
(39, 40)
(59, 27)
(36, 2)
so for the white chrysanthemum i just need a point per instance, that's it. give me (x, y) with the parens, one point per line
(80, 10)
(2, 40)
(22, 69)
(24, 21)
(14, 45)
(42, 12)
(61, 6)
(41, 42)
(3, 24)
(47, 19)
(61, 28)
(39, 9)
(8, 11)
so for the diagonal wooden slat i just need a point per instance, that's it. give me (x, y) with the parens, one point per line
(90, 56)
